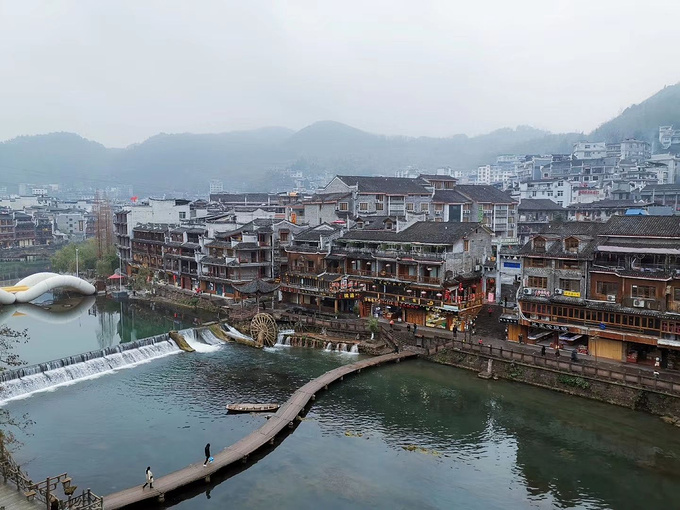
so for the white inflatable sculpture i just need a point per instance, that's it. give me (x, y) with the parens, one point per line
(40, 283)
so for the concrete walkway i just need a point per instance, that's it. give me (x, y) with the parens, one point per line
(488, 336)
(11, 499)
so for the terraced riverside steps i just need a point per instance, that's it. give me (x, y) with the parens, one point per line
(239, 451)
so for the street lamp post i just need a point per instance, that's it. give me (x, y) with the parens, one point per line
(77, 273)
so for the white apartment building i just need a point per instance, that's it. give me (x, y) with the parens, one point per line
(216, 186)
(635, 150)
(589, 150)
(668, 172)
(557, 190)
(157, 211)
(668, 136)
(484, 174)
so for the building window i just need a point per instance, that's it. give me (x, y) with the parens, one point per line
(538, 282)
(607, 288)
(570, 285)
(409, 206)
(310, 266)
(560, 193)
(344, 206)
(379, 206)
(283, 237)
(438, 207)
(379, 198)
(531, 262)
(466, 245)
(425, 207)
(533, 193)
(568, 264)
(643, 291)
(571, 244)
(676, 294)
(363, 206)
(182, 215)
(539, 244)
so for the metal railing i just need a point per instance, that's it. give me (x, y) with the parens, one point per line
(45, 491)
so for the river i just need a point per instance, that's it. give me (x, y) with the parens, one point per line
(410, 435)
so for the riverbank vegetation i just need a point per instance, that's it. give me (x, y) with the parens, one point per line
(88, 260)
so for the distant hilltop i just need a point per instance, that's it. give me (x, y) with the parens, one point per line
(247, 159)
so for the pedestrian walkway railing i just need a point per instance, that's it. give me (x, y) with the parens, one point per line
(639, 378)
(52, 491)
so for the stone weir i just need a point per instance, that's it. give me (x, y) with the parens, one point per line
(21, 382)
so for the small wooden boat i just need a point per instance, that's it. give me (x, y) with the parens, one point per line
(252, 408)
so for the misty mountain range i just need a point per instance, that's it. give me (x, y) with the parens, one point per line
(248, 160)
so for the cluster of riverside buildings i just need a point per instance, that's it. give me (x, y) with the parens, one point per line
(430, 251)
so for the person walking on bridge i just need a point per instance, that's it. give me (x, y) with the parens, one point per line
(207, 454)
(149, 478)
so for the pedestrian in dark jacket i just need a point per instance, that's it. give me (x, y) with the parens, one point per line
(207, 454)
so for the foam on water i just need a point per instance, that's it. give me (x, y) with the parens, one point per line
(23, 383)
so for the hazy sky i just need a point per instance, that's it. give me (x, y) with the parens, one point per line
(121, 71)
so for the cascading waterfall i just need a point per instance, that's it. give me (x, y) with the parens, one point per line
(201, 340)
(354, 349)
(22, 382)
(283, 338)
(329, 347)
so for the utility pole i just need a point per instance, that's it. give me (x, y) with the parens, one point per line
(77, 273)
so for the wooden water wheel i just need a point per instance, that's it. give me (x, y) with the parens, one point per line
(263, 329)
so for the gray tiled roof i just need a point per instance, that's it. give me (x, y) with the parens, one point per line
(484, 193)
(643, 226)
(315, 233)
(388, 185)
(449, 196)
(428, 232)
(435, 177)
(539, 204)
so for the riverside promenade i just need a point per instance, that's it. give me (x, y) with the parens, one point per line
(239, 452)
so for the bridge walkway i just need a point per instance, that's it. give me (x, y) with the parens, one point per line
(12, 499)
(239, 451)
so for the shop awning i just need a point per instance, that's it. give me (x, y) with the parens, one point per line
(668, 343)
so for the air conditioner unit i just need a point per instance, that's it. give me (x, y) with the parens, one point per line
(438, 213)
(478, 267)
(639, 303)
(611, 298)
(558, 292)
(527, 291)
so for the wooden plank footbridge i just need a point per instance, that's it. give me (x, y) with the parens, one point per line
(239, 452)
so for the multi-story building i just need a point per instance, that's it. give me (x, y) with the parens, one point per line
(669, 136)
(613, 288)
(589, 150)
(602, 210)
(254, 251)
(392, 196)
(558, 190)
(72, 223)
(666, 167)
(6, 229)
(493, 208)
(661, 194)
(429, 273)
(535, 214)
(306, 282)
(152, 211)
(635, 150)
